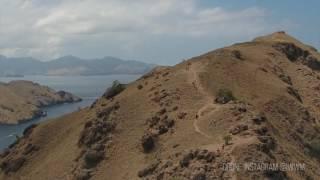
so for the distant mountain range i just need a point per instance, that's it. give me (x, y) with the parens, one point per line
(71, 65)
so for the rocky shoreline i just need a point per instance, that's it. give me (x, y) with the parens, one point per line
(41, 113)
(24, 101)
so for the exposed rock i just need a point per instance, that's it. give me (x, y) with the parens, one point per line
(276, 174)
(312, 63)
(96, 133)
(194, 164)
(160, 123)
(12, 165)
(4, 153)
(95, 137)
(237, 54)
(205, 155)
(182, 115)
(293, 92)
(153, 121)
(199, 176)
(292, 52)
(238, 129)
(259, 119)
(262, 131)
(162, 111)
(268, 142)
(224, 96)
(92, 158)
(98, 147)
(165, 74)
(148, 170)
(242, 109)
(186, 159)
(97, 130)
(175, 108)
(168, 123)
(27, 131)
(162, 129)
(30, 148)
(285, 79)
(105, 112)
(68, 97)
(83, 175)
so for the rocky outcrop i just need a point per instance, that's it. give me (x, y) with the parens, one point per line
(198, 164)
(295, 53)
(94, 141)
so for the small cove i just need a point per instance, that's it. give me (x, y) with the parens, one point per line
(89, 88)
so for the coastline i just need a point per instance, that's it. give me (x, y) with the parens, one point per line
(41, 112)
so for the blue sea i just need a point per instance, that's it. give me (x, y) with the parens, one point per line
(89, 88)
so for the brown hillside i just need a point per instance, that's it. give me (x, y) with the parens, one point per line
(253, 102)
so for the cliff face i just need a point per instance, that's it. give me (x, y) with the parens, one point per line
(253, 102)
(23, 100)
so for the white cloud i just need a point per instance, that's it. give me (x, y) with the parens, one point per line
(46, 29)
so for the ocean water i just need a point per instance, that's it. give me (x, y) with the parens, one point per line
(89, 88)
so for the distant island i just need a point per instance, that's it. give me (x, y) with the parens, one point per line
(14, 75)
(70, 66)
(22, 101)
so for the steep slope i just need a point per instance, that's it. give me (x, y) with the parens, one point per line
(253, 102)
(22, 100)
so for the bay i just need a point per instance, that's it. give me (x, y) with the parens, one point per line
(89, 88)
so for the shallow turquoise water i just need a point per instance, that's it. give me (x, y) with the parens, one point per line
(89, 88)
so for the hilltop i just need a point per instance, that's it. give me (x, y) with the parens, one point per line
(252, 102)
(22, 100)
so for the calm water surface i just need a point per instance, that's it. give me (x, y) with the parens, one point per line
(89, 88)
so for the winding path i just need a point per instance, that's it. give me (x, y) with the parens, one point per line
(206, 111)
(209, 105)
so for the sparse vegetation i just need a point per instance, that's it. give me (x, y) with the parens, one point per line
(227, 139)
(237, 54)
(224, 96)
(148, 143)
(92, 158)
(140, 86)
(314, 148)
(114, 90)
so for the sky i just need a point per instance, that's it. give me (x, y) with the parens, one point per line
(154, 31)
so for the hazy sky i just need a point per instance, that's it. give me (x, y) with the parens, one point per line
(155, 31)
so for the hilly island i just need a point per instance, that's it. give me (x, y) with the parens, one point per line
(255, 102)
(22, 101)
